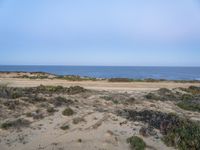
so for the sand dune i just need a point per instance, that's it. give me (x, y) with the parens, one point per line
(95, 123)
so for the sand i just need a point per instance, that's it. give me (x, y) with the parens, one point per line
(95, 85)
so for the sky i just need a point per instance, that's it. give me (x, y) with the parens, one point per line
(100, 32)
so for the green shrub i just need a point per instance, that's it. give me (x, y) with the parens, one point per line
(136, 143)
(68, 112)
(115, 102)
(64, 127)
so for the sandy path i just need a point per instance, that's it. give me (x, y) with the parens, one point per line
(96, 85)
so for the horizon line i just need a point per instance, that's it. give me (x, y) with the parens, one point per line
(43, 65)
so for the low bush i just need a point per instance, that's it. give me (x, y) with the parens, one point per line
(130, 100)
(61, 101)
(51, 110)
(186, 97)
(119, 80)
(136, 143)
(75, 90)
(151, 96)
(10, 92)
(164, 94)
(78, 120)
(76, 78)
(68, 112)
(38, 114)
(107, 98)
(49, 89)
(16, 94)
(193, 90)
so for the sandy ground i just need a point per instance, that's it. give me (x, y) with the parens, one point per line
(95, 85)
(100, 128)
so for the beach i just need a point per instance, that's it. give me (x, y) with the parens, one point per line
(58, 114)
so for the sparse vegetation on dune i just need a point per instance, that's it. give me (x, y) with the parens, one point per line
(49, 89)
(33, 77)
(120, 80)
(189, 99)
(184, 136)
(178, 132)
(189, 105)
(59, 89)
(150, 80)
(13, 93)
(44, 75)
(15, 124)
(192, 89)
(9, 92)
(61, 101)
(134, 80)
(120, 98)
(76, 78)
(17, 101)
(163, 94)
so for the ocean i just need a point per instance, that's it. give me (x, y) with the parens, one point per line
(168, 73)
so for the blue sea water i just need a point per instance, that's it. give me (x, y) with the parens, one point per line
(169, 73)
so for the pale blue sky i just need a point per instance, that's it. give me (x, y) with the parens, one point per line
(100, 32)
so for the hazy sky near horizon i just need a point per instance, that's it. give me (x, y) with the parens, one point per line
(100, 32)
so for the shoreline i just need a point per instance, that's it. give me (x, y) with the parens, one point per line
(46, 75)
